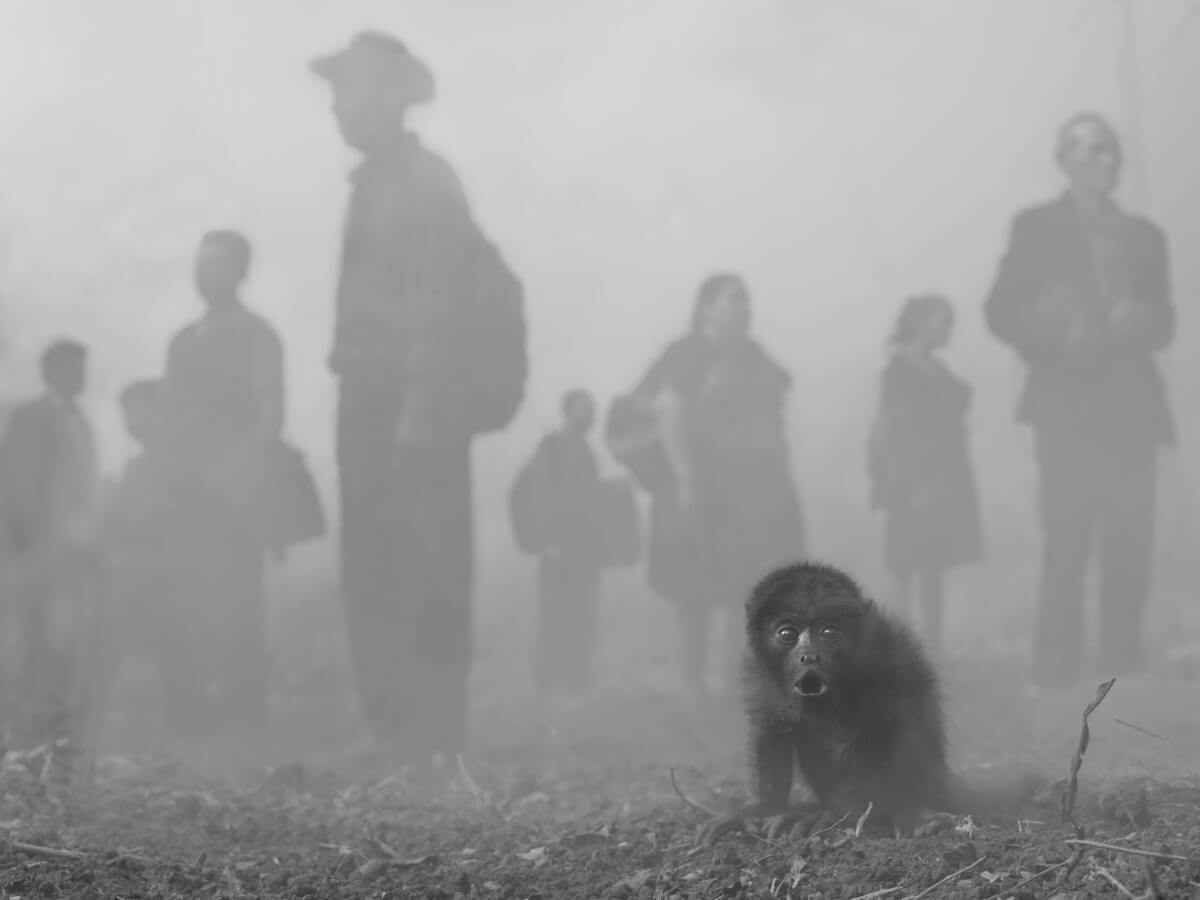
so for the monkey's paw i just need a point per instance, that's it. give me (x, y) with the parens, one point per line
(714, 828)
(779, 825)
(784, 824)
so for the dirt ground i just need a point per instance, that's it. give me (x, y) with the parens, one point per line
(576, 799)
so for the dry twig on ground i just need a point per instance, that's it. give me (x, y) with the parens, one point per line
(876, 894)
(1116, 848)
(1068, 798)
(687, 801)
(1141, 730)
(937, 884)
(470, 782)
(1112, 879)
(46, 852)
(862, 820)
(1038, 875)
(828, 828)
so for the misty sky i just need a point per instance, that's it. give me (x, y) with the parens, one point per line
(840, 154)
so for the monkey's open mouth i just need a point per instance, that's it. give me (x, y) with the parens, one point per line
(811, 684)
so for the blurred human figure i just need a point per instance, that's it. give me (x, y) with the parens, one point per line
(429, 350)
(136, 511)
(1083, 295)
(565, 486)
(920, 467)
(137, 616)
(727, 509)
(222, 407)
(49, 492)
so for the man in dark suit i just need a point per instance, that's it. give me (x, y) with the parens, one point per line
(48, 502)
(1083, 296)
(429, 350)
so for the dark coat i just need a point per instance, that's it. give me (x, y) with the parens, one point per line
(425, 303)
(224, 385)
(48, 471)
(1111, 388)
(921, 473)
(139, 513)
(747, 519)
(570, 480)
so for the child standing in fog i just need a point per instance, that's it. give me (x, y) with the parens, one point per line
(920, 468)
(563, 484)
(136, 616)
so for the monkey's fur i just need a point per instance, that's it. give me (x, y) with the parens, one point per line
(837, 688)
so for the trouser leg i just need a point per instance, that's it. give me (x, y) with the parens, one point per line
(366, 422)
(1126, 557)
(1068, 512)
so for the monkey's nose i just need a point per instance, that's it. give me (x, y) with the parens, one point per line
(810, 659)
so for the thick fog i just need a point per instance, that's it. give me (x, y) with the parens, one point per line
(839, 154)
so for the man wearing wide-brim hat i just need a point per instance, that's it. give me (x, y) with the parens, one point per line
(429, 350)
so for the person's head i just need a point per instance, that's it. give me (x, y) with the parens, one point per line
(1089, 153)
(925, 321)
(375, 80)
(722, 309)
(139, 408)
(64, 367)
(578, 411)
(222, 263)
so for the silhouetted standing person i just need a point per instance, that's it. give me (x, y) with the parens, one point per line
(222, 407)
(567, 487)
(1083, 295)
(921, 473)
(728, 510)
(137, 513)
(429, 351)
(138, 616)
(48, 499)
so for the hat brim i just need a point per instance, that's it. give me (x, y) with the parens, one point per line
(406, 72)
(329, 66)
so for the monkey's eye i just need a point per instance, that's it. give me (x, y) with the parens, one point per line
(787, 635)
(831, 634)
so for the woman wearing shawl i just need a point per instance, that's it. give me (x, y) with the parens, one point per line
(729, 511)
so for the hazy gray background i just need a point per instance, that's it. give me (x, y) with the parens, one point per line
(838, 153)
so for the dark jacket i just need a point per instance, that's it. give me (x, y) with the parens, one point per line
(921, 472)
(224, 385)
(139, 512)
(48, 472)
(1111, 388)
(571, 480)
(747, 519)
(425, 302)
